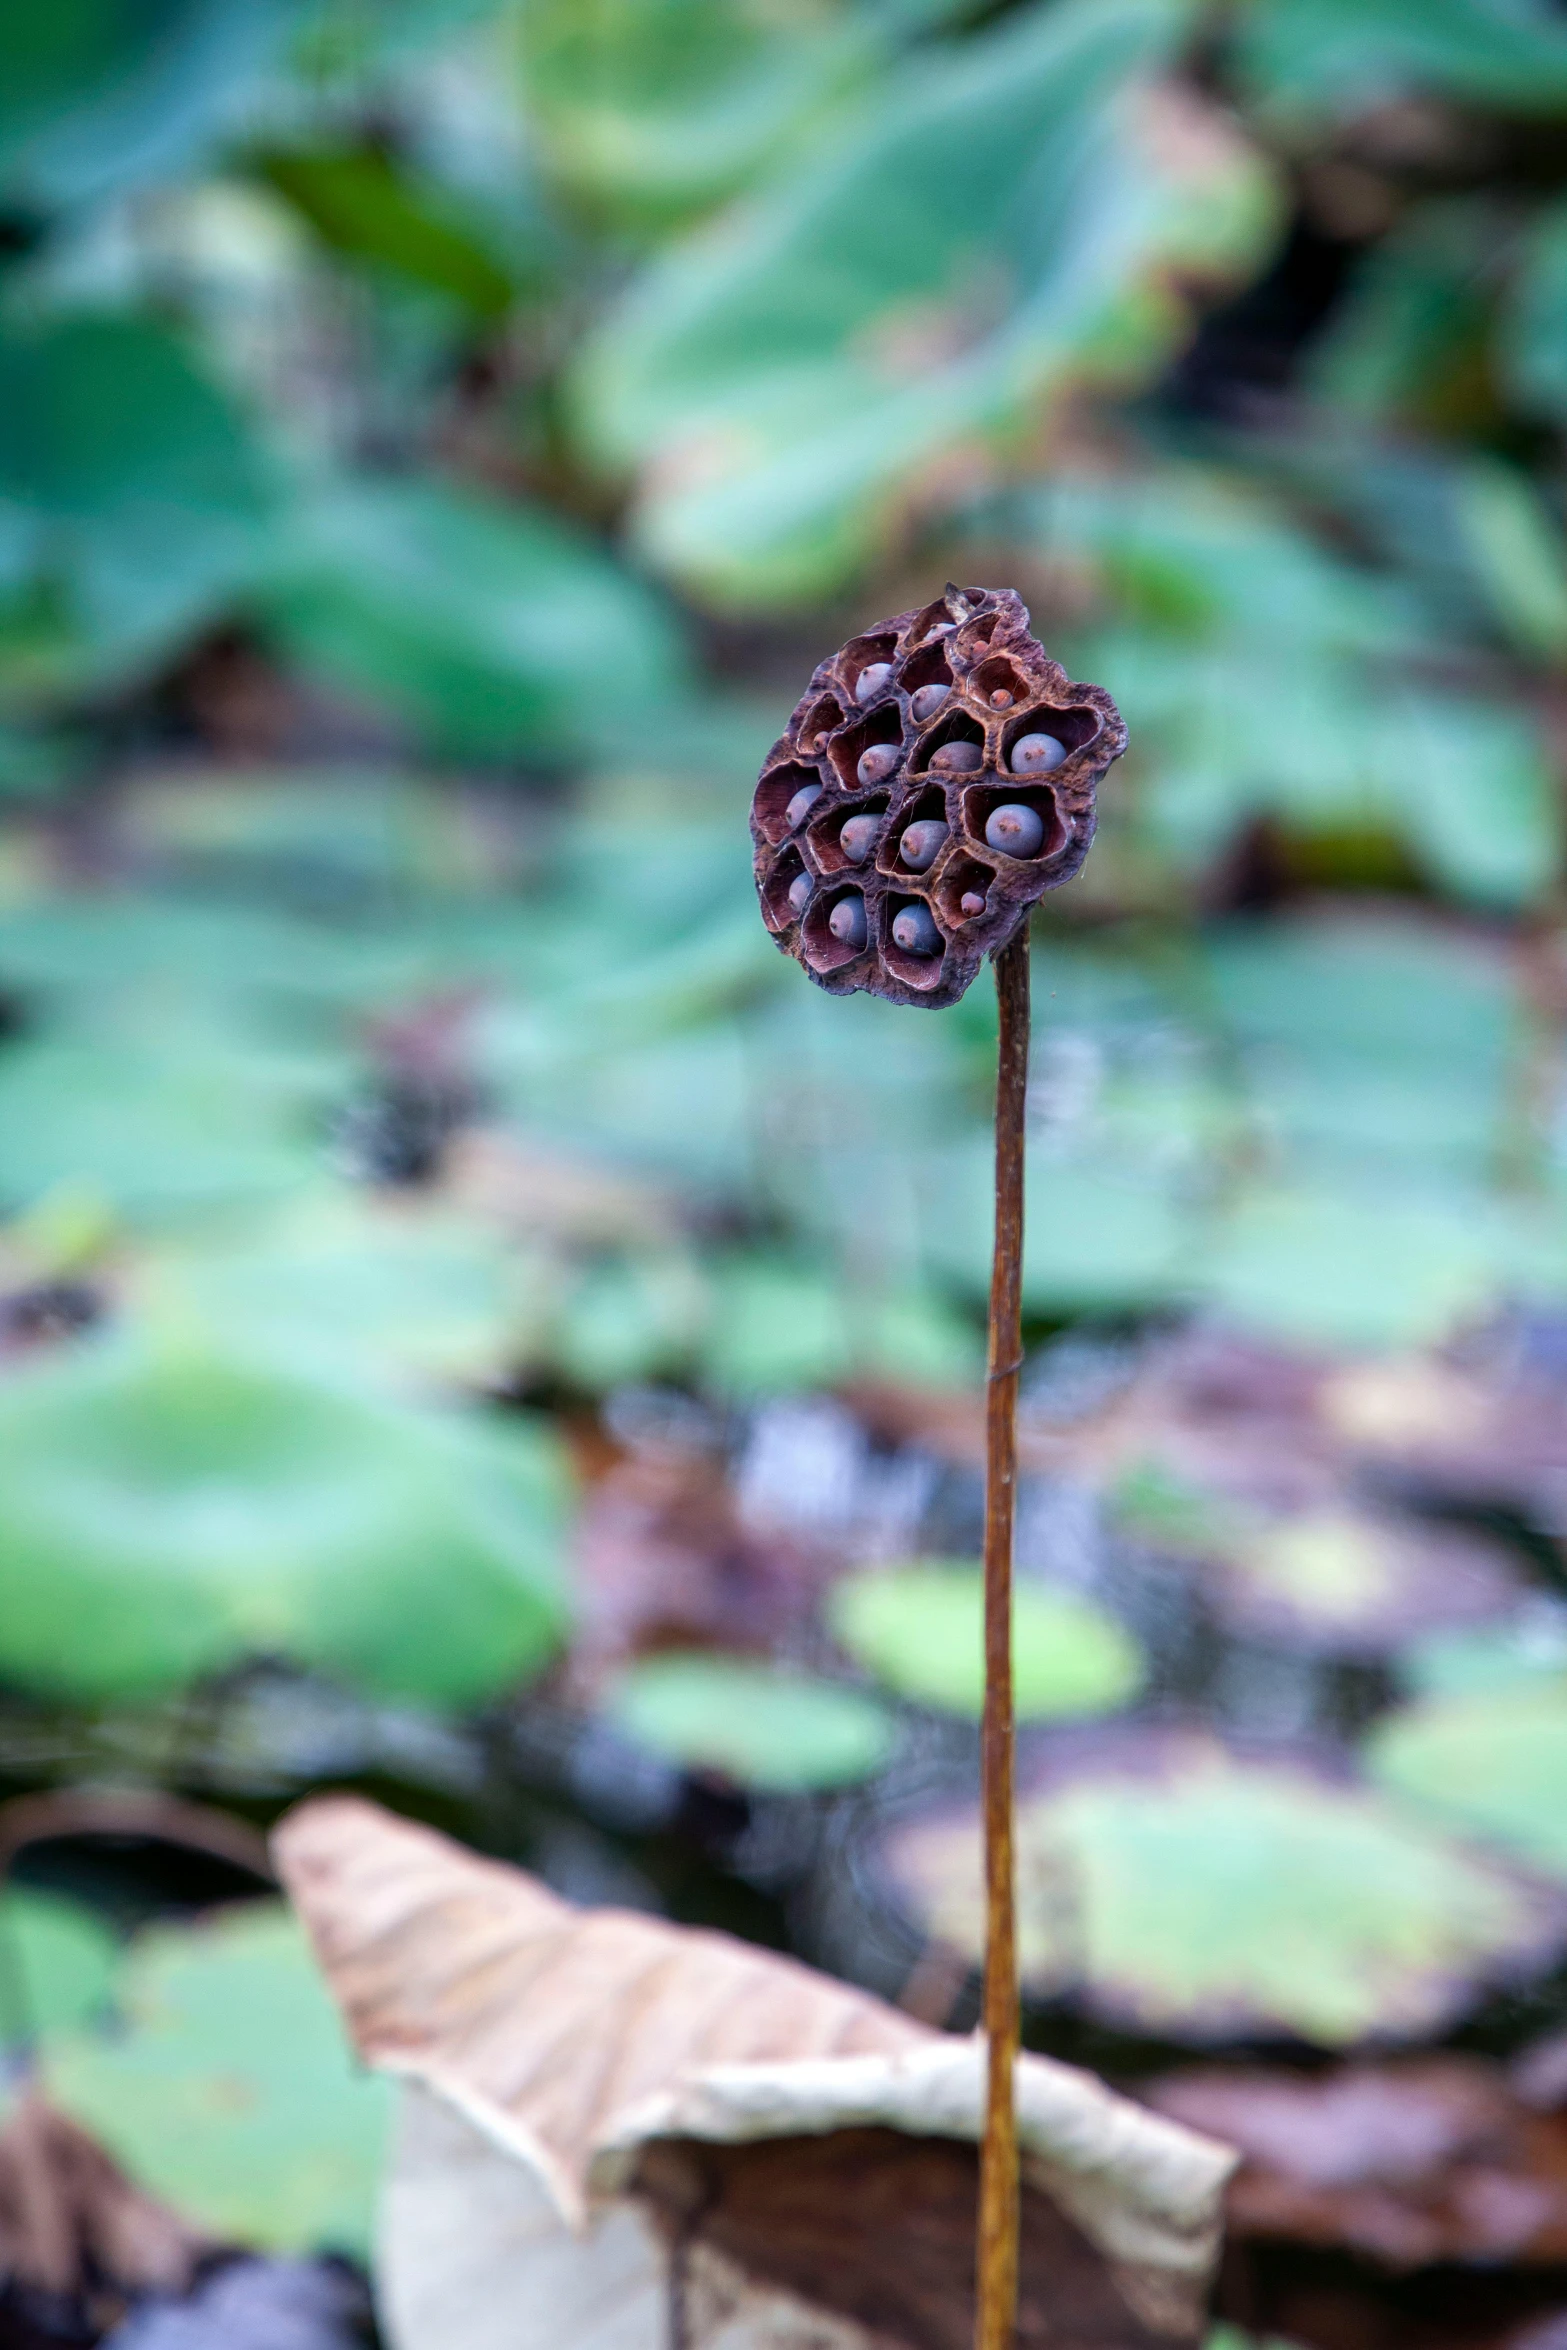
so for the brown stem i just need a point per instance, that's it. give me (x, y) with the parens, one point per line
(998, 2195)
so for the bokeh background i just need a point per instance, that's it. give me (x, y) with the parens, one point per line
(476, 1325)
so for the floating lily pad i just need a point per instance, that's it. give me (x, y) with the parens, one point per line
(231, 2092)
(1182, 1890)
(1493, 1765)
(1326, 1576)
(759, 1725)
(920, 1630)
(166, 1512)
(57, 1963)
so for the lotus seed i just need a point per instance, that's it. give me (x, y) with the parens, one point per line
(1037, 754)
(1016, 830)
(858, 837)
(873, 680)
(877, 763)
(847, 922)
(800, 892)
(921, 844)
(1001, 699)
(914, 929)
(806, 797)
(928, 701)
(971, 903)
(958, 758)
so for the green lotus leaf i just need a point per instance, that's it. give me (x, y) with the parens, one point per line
(162, 1129)
(920, 1631)
(166, 1512)
(1334, 57)
(1493, 1765)
(339, 1279)
(148, 502)
(57, 1964)
(1181, 1890)
(1006, 219)
(98, 98)
(486, 627)
(762, 1726)
(363, 204)
(1357, 1264)
(1533, 337)
(650, 110)
(230, 2090)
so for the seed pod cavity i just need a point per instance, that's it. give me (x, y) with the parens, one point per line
(914, 930)
(1016, 830)
(923, 843)
(958, 758)
(1036, 754)
(847, 921)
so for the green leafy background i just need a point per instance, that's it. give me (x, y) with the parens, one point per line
(436, 443)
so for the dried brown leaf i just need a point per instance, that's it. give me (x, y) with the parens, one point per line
(1415, 2162)
(71, 2222)
(675, 2097)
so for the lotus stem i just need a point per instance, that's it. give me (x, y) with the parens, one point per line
(996, 2312)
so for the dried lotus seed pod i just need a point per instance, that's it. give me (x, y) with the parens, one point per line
(1015, 830)
(954, 812)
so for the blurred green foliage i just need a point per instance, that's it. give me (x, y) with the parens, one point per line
(270, 2134)
(435, 441)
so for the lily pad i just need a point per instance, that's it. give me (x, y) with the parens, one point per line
(231, 2092)
(57, 1964)
(763, 1727)
(1326, 1576)
(1179, 1889)
(920, 1631)
(166, 1512)
(1493, 1765)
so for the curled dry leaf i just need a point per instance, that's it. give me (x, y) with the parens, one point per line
(610, 2120)
(1433, 2159)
